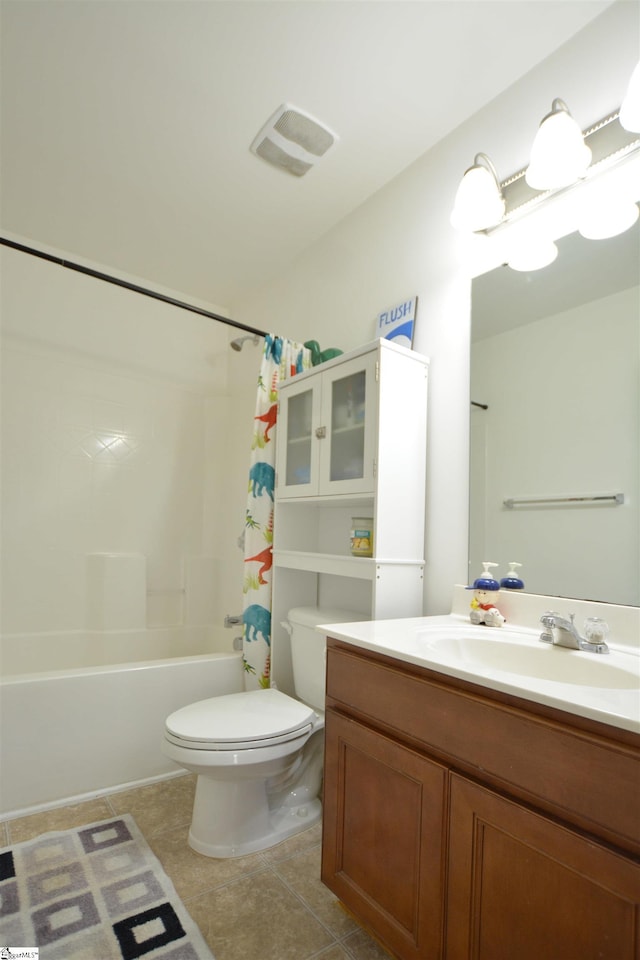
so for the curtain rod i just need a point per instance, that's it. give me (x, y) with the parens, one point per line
(127, 286)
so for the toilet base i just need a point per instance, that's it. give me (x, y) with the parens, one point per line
(233, 820)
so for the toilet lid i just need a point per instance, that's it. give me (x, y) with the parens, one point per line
(255, 716)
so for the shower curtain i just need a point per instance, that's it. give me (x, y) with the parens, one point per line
(281, 359)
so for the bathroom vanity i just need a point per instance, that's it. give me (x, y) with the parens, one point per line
(463, 821)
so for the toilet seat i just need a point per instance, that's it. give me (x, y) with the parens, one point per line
(240, 721)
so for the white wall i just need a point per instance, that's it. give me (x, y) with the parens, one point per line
(396, 245)
(126, 426)
(563, 419)
(399, 244)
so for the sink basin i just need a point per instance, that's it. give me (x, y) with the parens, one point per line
(484, 650)
(511, 659)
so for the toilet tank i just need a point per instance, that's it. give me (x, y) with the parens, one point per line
(308, 649)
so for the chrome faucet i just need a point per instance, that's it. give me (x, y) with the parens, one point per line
(564, 633)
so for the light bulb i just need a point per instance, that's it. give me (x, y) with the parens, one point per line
(479, 203)
(532, 255)
(601, 221)
(630, 109)
(559, 155)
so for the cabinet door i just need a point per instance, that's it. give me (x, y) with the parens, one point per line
(522, 886)
(348, 416)
(297, 450)
(383, 836)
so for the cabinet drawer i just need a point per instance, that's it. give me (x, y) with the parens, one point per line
(589, 779)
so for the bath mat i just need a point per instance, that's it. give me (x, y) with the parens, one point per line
(93, 893)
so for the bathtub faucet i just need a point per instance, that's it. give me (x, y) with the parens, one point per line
(232, 621)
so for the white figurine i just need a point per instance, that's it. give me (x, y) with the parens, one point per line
(483, 610)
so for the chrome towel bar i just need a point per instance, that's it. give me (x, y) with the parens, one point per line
(612, 498)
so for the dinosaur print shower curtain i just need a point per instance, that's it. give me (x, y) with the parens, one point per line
(281, 359)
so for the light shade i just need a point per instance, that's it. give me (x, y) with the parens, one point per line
(604, 220)
(532, 255)
(479, 203)
(559, 155)
(630, 109)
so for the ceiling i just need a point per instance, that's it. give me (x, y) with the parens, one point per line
(126, 125)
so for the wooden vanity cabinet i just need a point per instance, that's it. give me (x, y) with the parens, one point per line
(464, 824)
(530, 888)
(383, 835)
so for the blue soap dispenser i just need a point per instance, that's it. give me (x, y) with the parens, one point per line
(483, 610)
(512, 581)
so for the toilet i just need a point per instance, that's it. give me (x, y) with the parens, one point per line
(258, 754)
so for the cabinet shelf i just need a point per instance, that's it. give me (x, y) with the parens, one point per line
(347, 429)
(356, 500)
(359, 568)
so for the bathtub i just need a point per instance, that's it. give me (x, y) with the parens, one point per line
(83, 714)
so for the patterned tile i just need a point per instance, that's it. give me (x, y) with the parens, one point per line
(62, 818)
(361, 946)
(333, 953)
(296, 844)
(258, 918)
(158, 806)
(194, 874)
(302, 874)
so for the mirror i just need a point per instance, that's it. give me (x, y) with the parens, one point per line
(555, 357)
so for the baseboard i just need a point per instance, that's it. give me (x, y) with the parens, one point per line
(91, 795)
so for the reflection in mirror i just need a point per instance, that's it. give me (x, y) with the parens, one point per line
(555, 356)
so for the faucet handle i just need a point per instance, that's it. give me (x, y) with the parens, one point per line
(548, 617)
(547, 620)
(596, 631)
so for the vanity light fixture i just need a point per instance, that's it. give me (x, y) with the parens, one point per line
(576, 180)
(630, 109)
(479, 202)
(559, 155)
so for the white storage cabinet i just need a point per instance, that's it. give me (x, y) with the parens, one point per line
(351, 443)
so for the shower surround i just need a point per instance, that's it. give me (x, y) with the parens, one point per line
(121, 512)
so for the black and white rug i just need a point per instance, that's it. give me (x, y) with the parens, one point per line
(94, 893)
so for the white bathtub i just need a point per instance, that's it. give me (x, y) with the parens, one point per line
(72, 731)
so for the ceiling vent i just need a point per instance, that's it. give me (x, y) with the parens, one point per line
(292, 140)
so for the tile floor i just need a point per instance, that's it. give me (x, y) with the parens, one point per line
(266, 906)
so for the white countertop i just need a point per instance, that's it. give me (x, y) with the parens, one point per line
(603, 687)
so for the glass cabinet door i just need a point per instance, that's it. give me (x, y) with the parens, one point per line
(348, 411)
(297, 443)
(298, 469)
(326, 431)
